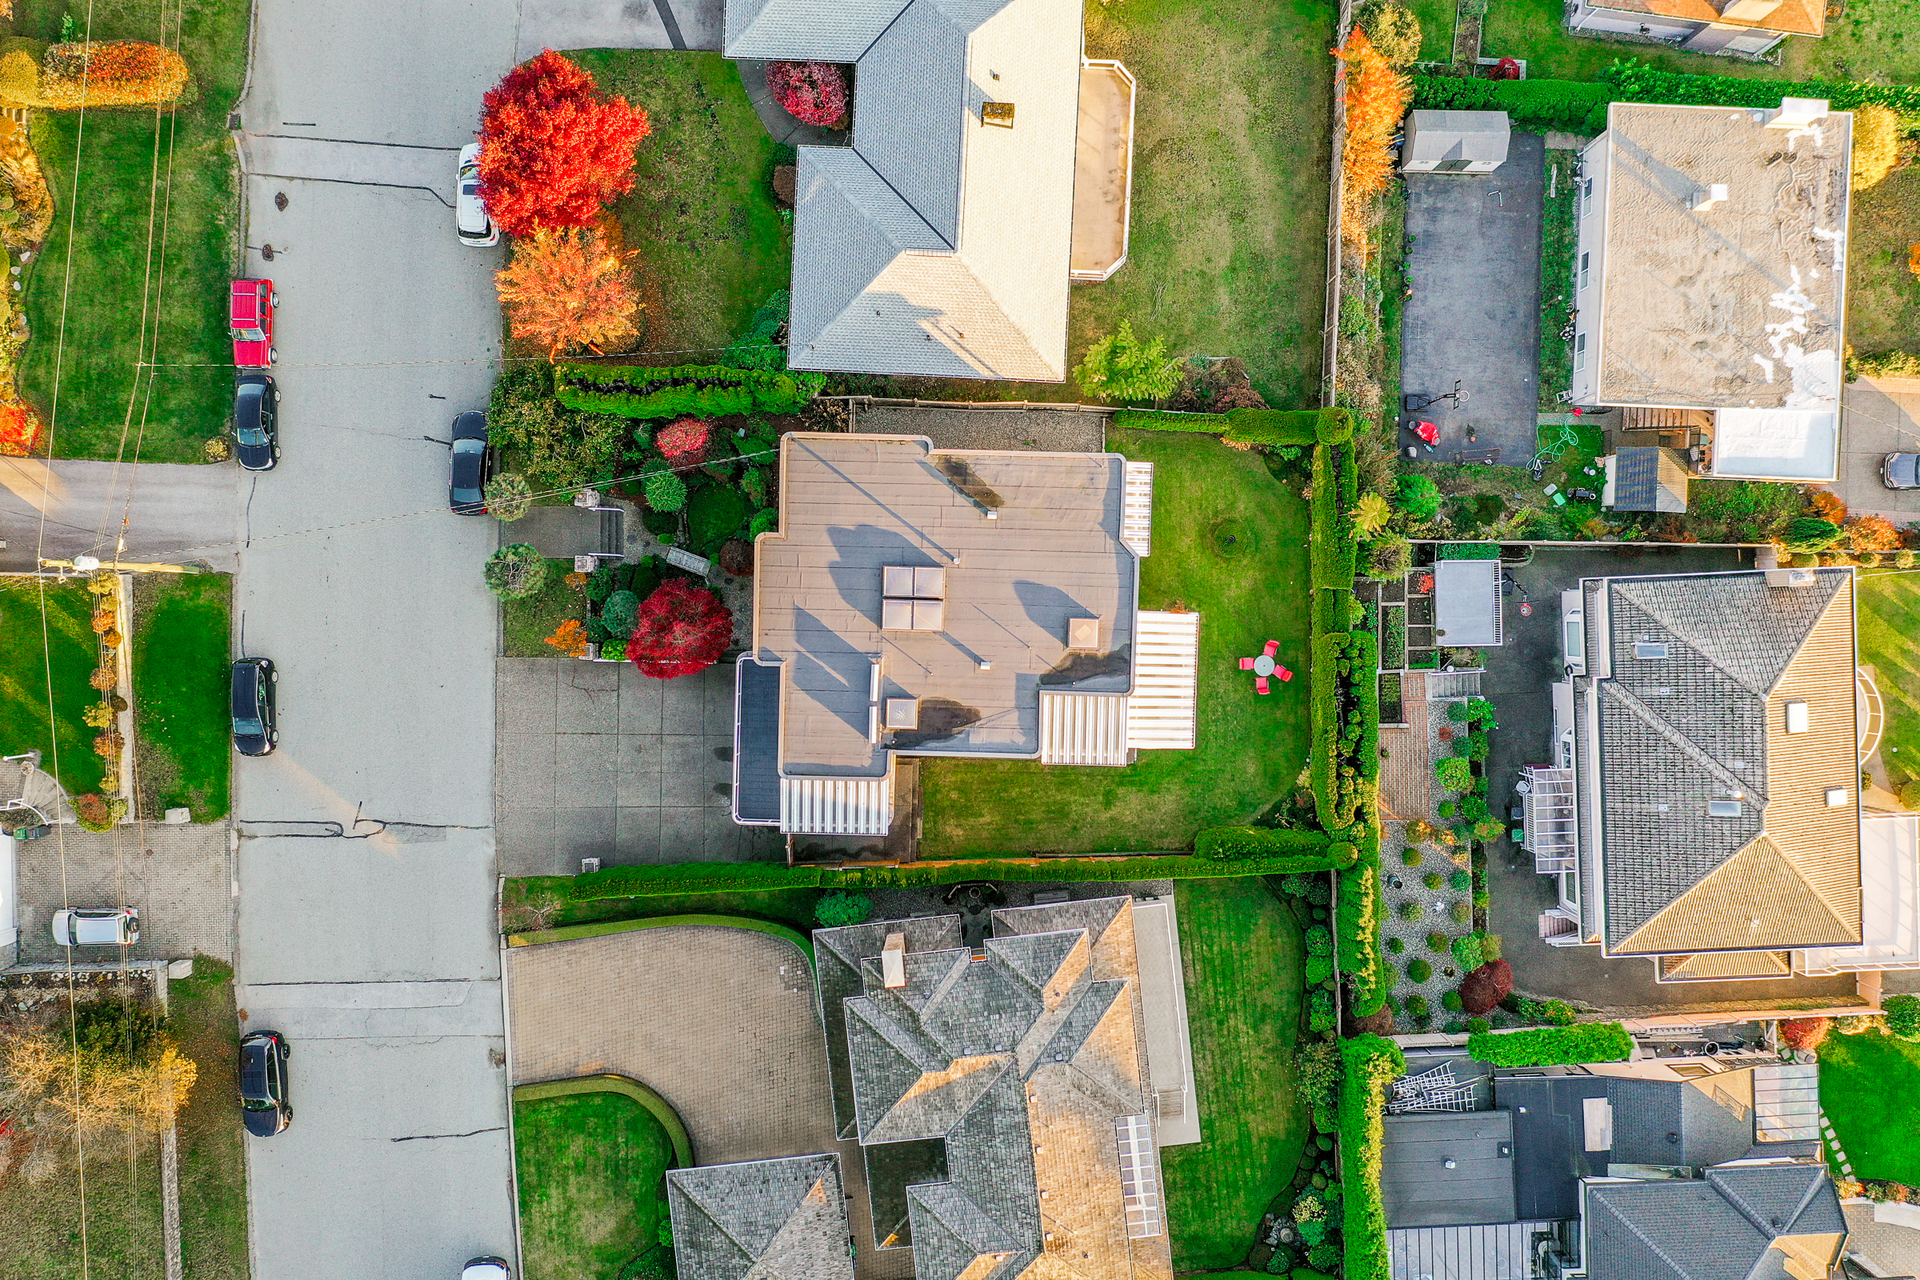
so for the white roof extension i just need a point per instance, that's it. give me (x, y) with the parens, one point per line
(1889, 900)
(1105, 728)
(935, 244)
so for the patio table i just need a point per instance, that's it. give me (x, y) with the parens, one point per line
(1263, 665)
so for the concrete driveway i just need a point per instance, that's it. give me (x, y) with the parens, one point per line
(178, 513)
(1878, 416)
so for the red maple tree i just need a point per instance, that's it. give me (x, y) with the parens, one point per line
(1486, 987)
(552, 149)
(682, 629)
(1804, 1033)
(684, 441)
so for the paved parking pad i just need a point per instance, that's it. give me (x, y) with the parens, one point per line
(595, 760)
(179, 877)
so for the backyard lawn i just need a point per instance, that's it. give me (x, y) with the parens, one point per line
(526, 624)
(193, 200)
(1889, 607)
(181, 651)
(1533, 30)
(23, 677)
(1883, 296)
(1229, 541)
(1243, 960)
(592, 1193)
(1868, 1084)
(712, 243)
(1874, 41)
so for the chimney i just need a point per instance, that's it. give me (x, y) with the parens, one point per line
(1706, 199)
(1790, 577)
(1797, 113)
(893, 961)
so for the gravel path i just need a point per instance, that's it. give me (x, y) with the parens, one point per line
(1050, 430)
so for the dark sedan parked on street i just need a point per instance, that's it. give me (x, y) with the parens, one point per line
(472, 465)
(256, 421)
(1900, 471)
(263, 1083)
(255, 727)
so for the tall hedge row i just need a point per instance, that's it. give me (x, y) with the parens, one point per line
(1334, 801)
(1273, 427)
(1363, 654)
(1552, 1046)
(1358, 916)
(1368, 1064)
(707, 391)
(1313, 850)
(1332, 552)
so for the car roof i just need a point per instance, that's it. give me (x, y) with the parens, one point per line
(472, 423)
(253, 1067)
(94, 928)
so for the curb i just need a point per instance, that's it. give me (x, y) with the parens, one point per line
(655, 1105)
(570, 933)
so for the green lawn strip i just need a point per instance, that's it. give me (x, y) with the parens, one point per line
(1557, 281)
(658, 1107)
(1534, 30)
(195, 195)
(181, 652)
(1889, 611)
(571, 932)
(1436, 28)
(1868, 1087)
(591, 1169)
(1883, 296)
(1231, 152)
(712, 243)
(792, 907)
(213, 1168)
(526, 624)
(75, 652)
(1874, 41)
(1242, 952)
(1250, 749)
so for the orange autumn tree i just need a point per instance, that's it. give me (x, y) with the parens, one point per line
(568, 288)
(1377, 98)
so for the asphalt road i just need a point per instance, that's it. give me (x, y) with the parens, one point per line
(178, 513)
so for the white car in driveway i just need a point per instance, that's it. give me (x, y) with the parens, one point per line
(469, 211)
(97, 926)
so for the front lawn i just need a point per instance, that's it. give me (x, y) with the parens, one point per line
(1533, 30)
(192, 207)
(539, 902)
(713, 244)
(592, 1189)
(1229, 217)
(526, 624)
(181, 652)
(1883, 297)
(1889, 609)
(1229, 540)
(1243, 965)
(1868, 1087)
(1874, 41)
(75, 652)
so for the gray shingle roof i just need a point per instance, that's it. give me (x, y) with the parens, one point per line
(768, 1219)
(838, 954)
(1665, 1122)
(1719, 1228)
(806, 29)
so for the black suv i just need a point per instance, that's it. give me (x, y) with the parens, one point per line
(472, 465)
(256, 421)
(255, 730)
(263, 1083)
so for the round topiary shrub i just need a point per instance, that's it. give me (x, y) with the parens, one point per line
(619, 613)
(665, 492)
(1460, 881)
(1482, 990)
(508, 496)
(840, 908)
(1463, 912)
(1408, 911)
(1451, 1002)
(1439, 942)
(1396, 946)
(1419, 1010)
(515, 571)
(1413, 857)
(1418, 970)
(1434, 880)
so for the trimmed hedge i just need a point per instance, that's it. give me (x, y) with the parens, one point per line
(1363, 652)
(755, 877)
(1368, 1064)
(1331, 549)
(707, 391)
(1552, 1046)
(1324, 755)
(1163, 420)
(1270, 427)
(1313, 850)
(1358, 919)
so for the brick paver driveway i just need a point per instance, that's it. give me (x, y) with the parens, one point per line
(179, 877)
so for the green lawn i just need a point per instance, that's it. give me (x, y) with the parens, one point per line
(1229, 217)
(195, 195)
(1251, 749)
(1436, 28)
(213, 1166)
(526, 624)
(1883, 297)
(1874, 41)
(23, 677)
(1533, 30)
(538, 902)
(1889, 609)
(1243, 961)
(713, 244)
(591, 1184)
(181, 651)
(1868, 1087)
(1557, 243)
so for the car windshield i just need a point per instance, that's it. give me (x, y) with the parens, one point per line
(245, 728)
(466, 495)
(249, 335)
(250, 436)
(257, 1104)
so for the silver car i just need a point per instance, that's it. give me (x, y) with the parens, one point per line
(469, 211)
(97, 926)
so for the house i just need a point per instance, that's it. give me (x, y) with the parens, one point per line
(1002, 1095)
(989, 162)
(1455, 142)
(1750, 27)
(1710, 285)
(783, 1219)
(1702, 808)
(1559, 1173)
(918, 601)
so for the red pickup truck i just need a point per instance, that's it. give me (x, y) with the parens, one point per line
(250, 320)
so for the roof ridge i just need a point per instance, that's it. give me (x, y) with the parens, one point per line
(707, 1213)
(1627, 1221)
(1719, 1179)
(1687, 746)
(1759, 845)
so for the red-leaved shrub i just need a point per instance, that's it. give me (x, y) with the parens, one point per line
(682, 629)
(1804, 1033)
(811, 92)
(1483, 989)
(683, 442)
(552, 150)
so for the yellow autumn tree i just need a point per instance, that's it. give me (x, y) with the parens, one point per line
(1377, 98)
(567, 287)
(89, 1090)
(1876, 144)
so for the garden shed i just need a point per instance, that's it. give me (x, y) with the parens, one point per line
(1466, 603)
(1455, 142)
(1646, 479)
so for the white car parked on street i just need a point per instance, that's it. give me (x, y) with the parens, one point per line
(469, 212)
(97, 926)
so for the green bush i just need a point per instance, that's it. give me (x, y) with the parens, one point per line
(1460, 881)
(702, 391)
(1408, 911)
(121, 1030)
(508, 496)
(1467, 951)
(1119, 366)
(665, 491)
(714, 514)
(1412, 856)
(1363, 652)
(1280, 427)
(1321, 1014)
(1331, 549)
(1553, 1046)
(1418, 496)
(1455, 773)
(1434, 880)
(1419, 1010)
(1164, 420)
(1463, 914)
(1319, 940)
(1903, 1016)
(515, 572)
(1419, 969)
(1319, 969)
(1450, 1001)
(1334, 804)
(840, 908)
(1368, 1065)
(619, 613)
(1810, 533)
(1439, 942)
(1395, 945)
(1311, 850)
(1358, 919)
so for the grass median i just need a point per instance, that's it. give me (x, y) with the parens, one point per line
(181, 651)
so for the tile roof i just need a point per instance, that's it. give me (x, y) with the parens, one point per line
(1798, 17)
(761, 1220)
(934, 244)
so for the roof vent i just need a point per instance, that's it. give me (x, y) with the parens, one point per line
(1705, 199)
(1001, 113)
(893, 961)
(1798, 113)
(1649, 649)
(1836, 797)
(1797, 718)
(1723, 808)
(1790, 578)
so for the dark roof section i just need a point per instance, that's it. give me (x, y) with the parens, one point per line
(838, 954)
(1549, 1141)
(1666, 1122)
(756, 742)
(1719, 1228)
(1648, 479)
(1421, 1191)
(777, 1219)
